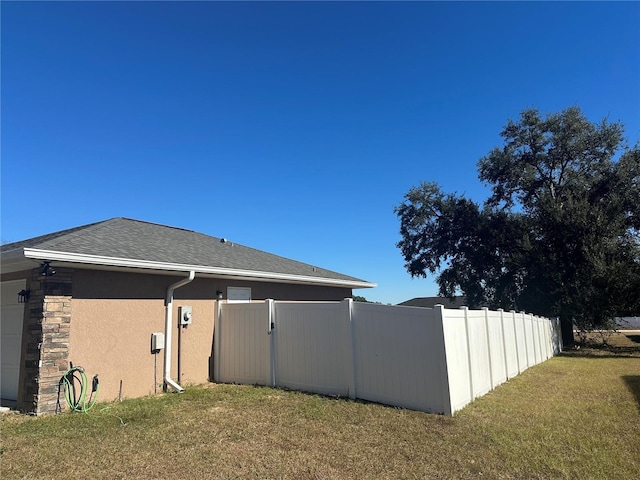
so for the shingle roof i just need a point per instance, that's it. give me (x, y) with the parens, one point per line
(430, 302)
(123, 238)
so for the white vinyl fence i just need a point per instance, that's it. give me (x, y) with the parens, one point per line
(434, 360)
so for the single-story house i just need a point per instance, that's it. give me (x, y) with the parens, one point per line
(95, 295)
(628, 323)
(430, 302)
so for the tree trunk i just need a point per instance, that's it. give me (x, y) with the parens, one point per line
(566, 327)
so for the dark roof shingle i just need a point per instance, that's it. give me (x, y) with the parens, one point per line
(430, 302)
(125, 238)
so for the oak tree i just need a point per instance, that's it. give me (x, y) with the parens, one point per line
(559, 235)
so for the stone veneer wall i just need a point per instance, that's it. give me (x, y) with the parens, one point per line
(45, 341)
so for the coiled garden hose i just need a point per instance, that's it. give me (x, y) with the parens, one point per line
(76, 385)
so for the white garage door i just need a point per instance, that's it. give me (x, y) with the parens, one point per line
(11, 316)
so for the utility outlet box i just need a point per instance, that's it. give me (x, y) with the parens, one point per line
(157, 342)
(184, 314)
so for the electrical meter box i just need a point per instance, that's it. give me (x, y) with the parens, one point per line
(184, 314)
(157, 342)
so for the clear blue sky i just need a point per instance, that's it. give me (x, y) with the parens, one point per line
(290, 127)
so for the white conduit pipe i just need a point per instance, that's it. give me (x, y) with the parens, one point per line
(168, 328)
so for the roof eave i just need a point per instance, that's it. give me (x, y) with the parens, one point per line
(80, 259)
(15, 261)
(15, 254)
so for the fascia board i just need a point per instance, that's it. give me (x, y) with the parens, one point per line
(88, 259)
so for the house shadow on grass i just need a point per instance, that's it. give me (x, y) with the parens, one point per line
(633, 384)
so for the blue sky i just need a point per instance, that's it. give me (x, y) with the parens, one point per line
(291, 127)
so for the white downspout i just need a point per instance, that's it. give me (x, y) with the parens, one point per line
(168, 328)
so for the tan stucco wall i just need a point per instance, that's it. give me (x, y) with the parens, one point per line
(113, 315)
(112, 338)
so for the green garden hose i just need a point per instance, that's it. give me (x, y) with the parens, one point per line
(76, 385)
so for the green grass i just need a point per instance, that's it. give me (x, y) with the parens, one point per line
(574, 416)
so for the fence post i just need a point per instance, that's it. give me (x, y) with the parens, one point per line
(486, 329)
(540, 343)
(504, 344)
(526, 343)
(547, 339)
(352, 348)
(217, 328)
(534, 339)
(439, 311)
(469, 362)
(515, 335)
(270, 329)
(536, 336)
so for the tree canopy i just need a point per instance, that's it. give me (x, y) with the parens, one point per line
(559, 235)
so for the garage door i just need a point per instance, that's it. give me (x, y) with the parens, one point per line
(11, 316)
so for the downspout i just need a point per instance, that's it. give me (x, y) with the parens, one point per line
(168, 328)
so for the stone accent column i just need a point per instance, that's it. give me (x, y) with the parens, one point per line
(45, 341)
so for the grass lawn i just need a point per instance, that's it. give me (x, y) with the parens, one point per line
(575, 416)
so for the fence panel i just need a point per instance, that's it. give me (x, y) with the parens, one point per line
(399, 356)
(457, 358)
(312, 346)
(529, 341)
(479, 352)
(521, 340)
(536, 339)
(510, 344)
(542, 351)
(496, 344)
(242, 343)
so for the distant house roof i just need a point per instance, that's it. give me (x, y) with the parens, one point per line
(125, 244)
(430, 302)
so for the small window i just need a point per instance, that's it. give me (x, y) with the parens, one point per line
(239, 294)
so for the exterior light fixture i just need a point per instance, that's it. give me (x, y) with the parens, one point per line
(46, 270)
(219, 294)
(23, 296)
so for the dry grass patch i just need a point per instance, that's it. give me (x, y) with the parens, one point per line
(571, 417)
(610, 341)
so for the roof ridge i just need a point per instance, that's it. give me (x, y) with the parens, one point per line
(153, 223)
